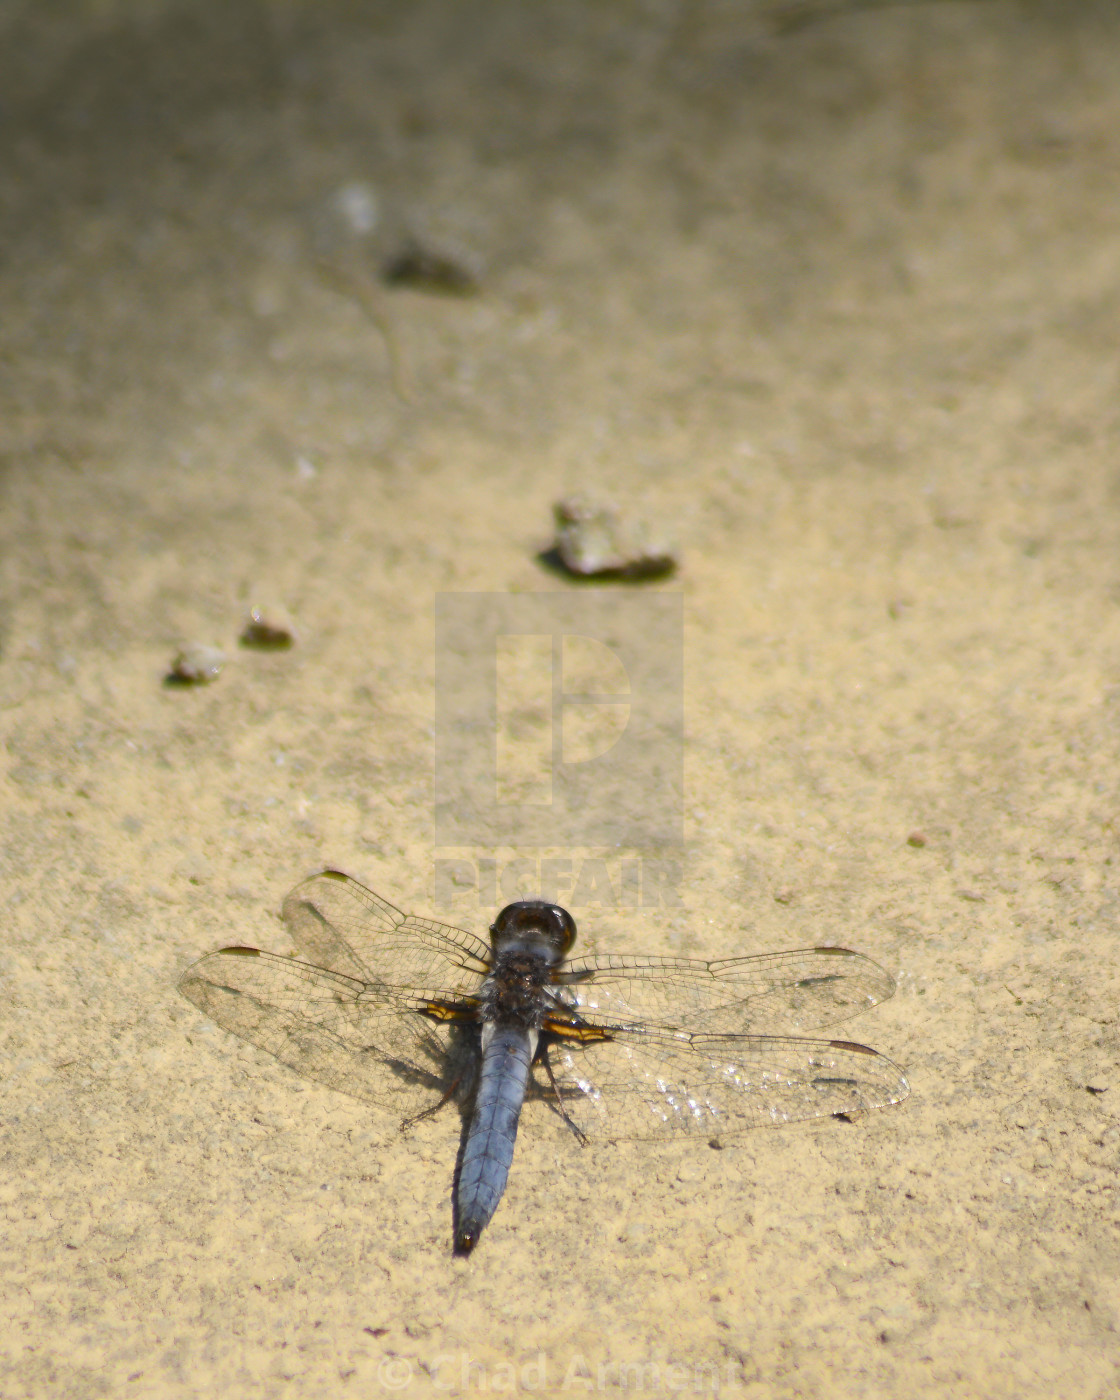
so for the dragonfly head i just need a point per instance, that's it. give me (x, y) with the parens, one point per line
(533, 926)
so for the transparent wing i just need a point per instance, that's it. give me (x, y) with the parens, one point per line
(359, 1037)
(767, 992)
(338, 924)
(665, 1084)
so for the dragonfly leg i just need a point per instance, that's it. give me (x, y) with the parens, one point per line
(433, 1109)
(580, 1135)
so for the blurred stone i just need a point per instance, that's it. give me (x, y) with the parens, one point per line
(268, 629)
(425, 270)
(196, 664)
(594, 539)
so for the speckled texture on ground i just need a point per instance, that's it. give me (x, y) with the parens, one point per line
(838, 303)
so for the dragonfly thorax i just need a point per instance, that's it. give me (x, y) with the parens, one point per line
(513, 994)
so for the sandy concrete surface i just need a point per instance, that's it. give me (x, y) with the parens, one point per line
(835, 296)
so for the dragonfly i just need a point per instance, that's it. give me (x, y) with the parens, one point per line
(410, 1014)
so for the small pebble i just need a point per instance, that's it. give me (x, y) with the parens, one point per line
(356, 205)
(347, 220)
(196, 664)
(268, 629)
(595, 540)
(917, 839)
(426, 271)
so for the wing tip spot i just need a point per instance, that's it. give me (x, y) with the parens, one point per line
(854, 1047)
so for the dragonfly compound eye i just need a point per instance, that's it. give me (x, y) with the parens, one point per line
(533, 922)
